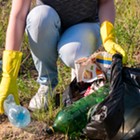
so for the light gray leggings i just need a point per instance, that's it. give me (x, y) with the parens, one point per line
(43, 28)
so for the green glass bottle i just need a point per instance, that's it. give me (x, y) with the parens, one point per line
(74, 117)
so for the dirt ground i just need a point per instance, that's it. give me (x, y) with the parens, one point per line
(35, 131)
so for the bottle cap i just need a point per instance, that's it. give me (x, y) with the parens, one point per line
(50, 130)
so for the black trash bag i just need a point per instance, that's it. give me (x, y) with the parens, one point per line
(74, 92)
(108, 116)
(131, 78)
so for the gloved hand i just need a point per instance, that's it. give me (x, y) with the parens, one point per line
(11, 65)
(108, 39)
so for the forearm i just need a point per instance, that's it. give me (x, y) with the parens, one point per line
(107, 17)
(14, 34)
(106, 11)
(16, 26)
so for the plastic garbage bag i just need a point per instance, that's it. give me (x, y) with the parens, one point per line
(108, 116)
(131, 78)
(74, 91)
(120, 108)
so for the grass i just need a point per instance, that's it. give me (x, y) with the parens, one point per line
(127, 29)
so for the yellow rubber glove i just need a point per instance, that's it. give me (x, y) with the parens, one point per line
(10, 67)
(108, 39)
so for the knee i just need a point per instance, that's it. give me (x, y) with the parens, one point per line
(69, 53)
(42, 16)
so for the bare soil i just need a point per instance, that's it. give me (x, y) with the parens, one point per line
(34, 131)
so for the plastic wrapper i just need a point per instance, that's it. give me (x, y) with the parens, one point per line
(95, 67)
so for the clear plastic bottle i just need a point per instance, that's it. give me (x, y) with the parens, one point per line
(18, 115)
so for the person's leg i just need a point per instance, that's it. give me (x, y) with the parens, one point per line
(78, 41)
(43, 26)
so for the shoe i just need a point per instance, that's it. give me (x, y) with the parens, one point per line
(39, 100)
